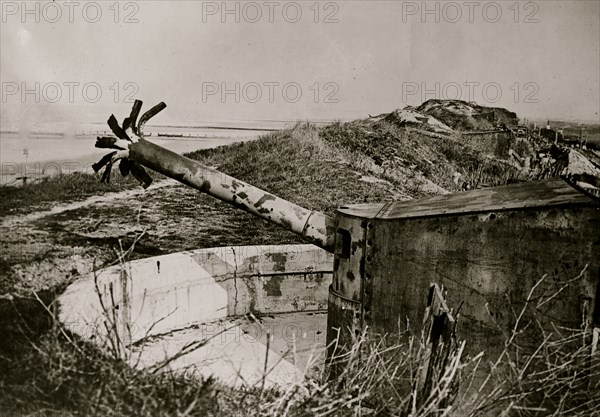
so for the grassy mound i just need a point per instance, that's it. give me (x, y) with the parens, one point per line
(462, 115)
(300, 166)
(436, 158)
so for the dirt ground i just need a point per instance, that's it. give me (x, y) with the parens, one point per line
(49, 248)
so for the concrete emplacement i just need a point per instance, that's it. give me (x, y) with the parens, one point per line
(199, 303)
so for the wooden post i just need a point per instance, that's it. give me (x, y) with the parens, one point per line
(439, 325)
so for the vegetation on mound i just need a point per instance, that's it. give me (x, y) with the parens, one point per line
(462, 115)
(438, 158)
(306, 164)
(298, 165)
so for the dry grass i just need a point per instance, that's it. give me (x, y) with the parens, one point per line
(435, 158)
(373, 377)
(299, 165)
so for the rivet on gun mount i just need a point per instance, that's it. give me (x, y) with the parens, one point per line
(127, 134)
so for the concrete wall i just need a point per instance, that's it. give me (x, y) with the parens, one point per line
(164, 293)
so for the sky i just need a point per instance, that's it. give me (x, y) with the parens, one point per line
(78, 62)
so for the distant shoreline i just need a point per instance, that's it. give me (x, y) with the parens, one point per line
(164, 130)
(161, 134)
(55, 155)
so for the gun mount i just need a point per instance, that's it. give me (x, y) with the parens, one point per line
(487, 247)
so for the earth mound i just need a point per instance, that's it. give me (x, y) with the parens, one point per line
(466, 116)
(412, 118)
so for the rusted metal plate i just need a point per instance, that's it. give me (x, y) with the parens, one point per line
(487, 249)
(549, 193)
(488, 263)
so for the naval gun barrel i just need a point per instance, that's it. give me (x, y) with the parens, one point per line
(133, 149)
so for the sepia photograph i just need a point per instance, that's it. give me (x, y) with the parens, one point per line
(352, 208)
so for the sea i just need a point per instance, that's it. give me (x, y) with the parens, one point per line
(30, 154)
